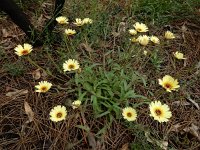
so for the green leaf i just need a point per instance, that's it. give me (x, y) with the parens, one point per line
(129, 94)
(87, 87)
(103, 114)
(95, 104)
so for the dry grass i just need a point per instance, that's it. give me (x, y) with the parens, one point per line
(41, 133)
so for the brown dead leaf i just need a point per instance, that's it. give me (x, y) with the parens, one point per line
(175, 127)
(16, 93)
(121, 28)
(183, 28)
(92, 141)
(36, 74)
(115, 34)
(44, 73)
(29, 112)
(194, 103)
(178, 103)
(5, 33)
(193, 129)
(86, 46)
(125, 146)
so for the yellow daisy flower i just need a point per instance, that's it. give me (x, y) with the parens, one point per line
(145, 52)
(169, 83)
(62, 20)
(43, 86)
(132, 31)
(134, 40)
(140, 27)
(169, 35)
(78, 22)
(70, 65)
(179, 55)
(160, 112)
(76, 104)
(143, 40)
(155, 40)
(23, 50)
(87, 21)
(70, 32)
(58, 113)
(129, 113)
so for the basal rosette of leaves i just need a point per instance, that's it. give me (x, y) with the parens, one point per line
(109, 90)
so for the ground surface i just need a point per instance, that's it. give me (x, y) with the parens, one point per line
(105, 47)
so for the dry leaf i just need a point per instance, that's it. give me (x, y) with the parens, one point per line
(193, 129)
(86, 47)
(5, 33)
(16, 93)
(44, 73)
(121, 28)
(178, 103)
(115, 34)
(36, 74)
(92, 141)
(183, 28)
(192, 101)
(175, 127)
(29, 112)
(125, 147)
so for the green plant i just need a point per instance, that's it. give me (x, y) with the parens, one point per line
(14, 69)
(107, 90)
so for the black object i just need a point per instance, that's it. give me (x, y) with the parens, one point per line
(20, 19)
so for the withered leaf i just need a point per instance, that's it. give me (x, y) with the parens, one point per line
(28, 111)
(36, 74)
(16, 93)
(92, 141)
(86, 47)
(125, 146)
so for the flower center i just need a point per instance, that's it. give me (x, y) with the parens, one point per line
(168, 86)
(71, 66)
(62, 21)
(158, 112)
(139, 29)
(59, 115)
(25, 52)
(44, 88)
(129, 114)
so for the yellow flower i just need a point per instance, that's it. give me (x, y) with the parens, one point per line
(62, 20)
(78, 22)
(160, 112)
(145, 52)
(70, 32)
(132, 31)
(129, 113)
(87, 21)
(70, 65)
(140, 27)
(169, 35)
(169, 83)
(43, 86)
(179, 55)
(155, 39)
(20, 50)
(76, 104)
(134, 40)
(58, 113)
(143, 40)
